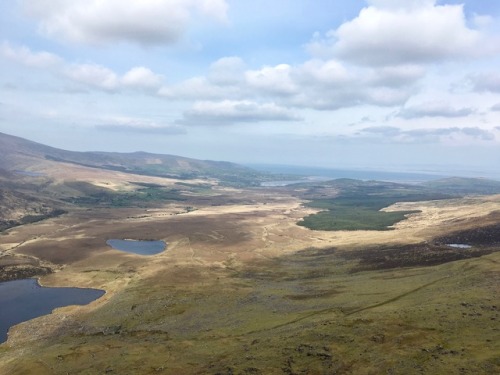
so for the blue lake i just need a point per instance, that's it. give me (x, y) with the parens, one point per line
(459, 245)
(138, 247)
(25, 299)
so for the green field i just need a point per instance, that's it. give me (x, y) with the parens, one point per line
(143, 196)
(358, 206)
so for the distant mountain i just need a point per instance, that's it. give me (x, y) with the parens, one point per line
(356, 174)
(28, 193)
(436, 189)
(24, 155)
(463, 185)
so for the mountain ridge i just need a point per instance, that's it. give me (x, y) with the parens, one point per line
(20, 154)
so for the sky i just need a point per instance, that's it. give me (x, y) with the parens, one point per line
(393, 85)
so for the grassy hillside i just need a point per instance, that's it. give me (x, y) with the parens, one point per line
(21, 154)
(21, 201)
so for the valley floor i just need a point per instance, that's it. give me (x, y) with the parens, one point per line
(242, 289)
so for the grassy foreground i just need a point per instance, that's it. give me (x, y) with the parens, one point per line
(306, 313)
(243, 290)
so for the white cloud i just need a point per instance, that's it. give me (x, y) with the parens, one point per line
(433, 135)
(326, 72)
(90, 75)
(230, 112)
(227, 71)
(395, 32)
(317, 84)
(94, 76)
(397, 76)
(434, 109)
(272, 79)
(25, 56)
(398, 4)
(102, 78)
(148, 22)
(199, 88)
(141, 78)
(329, 85)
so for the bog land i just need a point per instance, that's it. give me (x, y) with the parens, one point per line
(344, 276)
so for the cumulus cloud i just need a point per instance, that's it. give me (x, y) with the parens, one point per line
(272, 79)
(397, 4)
(317, 84)
(227, 71)
(99, 77)
(434, 135)
(230, 112)
(149, 22)
(329, 72)
(397, 76)
(329, 85)
(496, 107)
(199, 88)
(141, 78)
(94, 76)
(391, 32)
(25, 56)
(377, 58)
(225, 79)
(434, 109)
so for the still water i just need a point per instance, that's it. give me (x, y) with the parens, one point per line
(138, 247)
(25, 299)
(459, 245)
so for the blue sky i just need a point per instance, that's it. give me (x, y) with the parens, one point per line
(378, 84)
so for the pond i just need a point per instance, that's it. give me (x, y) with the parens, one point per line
(138, 247)
(25, 299)
(459, 245)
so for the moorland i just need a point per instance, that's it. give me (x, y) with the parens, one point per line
(330, 277)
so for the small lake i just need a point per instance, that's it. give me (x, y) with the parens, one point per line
(138, 247)
(459, 245)
(25, 299)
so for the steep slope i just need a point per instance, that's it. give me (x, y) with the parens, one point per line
(22, 202)
(32, 186)
(21, 154)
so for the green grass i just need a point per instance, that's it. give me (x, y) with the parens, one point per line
(357, 203)
(352, 218)
(141, 197)
(359, 209)
(304, 313)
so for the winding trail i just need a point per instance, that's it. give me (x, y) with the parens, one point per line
(396, 298)
(333, 309)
